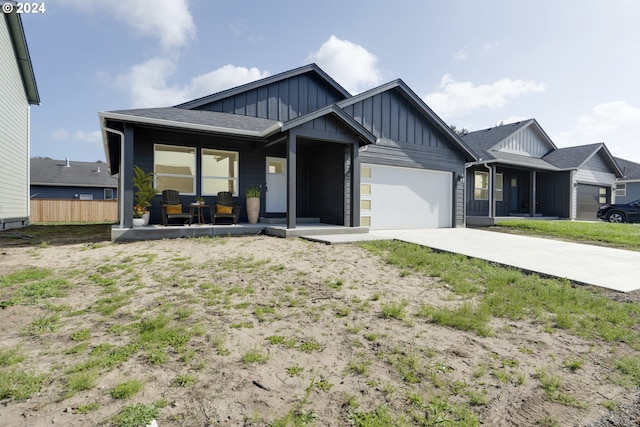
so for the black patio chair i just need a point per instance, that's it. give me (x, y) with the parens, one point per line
(224, 208)
(172, 208)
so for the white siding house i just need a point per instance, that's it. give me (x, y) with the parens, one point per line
(17, 92)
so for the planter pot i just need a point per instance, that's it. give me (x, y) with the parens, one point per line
(146, 216)
(253, 209)
(138, 222)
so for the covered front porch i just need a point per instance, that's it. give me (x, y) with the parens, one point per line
(501, 192)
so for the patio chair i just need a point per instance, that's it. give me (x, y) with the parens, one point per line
(172, 208)
(225, 208)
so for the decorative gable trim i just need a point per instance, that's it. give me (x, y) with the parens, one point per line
(529, 140)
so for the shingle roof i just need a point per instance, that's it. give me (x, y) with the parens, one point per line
(79, 174)
(481, 141)
(520, 160)
(209, 120)
(571, 157)
(630, 170)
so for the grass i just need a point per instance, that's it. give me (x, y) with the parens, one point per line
(138, 415)
(18, 384)
(254, 356)
(126, 389)
(625, 236)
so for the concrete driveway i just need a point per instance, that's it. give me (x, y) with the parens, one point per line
(594, 265)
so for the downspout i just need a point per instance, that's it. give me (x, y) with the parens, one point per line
(28, 165)
(121, 173)
(486, 165)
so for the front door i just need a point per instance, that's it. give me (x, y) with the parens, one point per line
(514, 194)
(276, 179)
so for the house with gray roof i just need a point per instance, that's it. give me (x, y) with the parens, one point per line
(67, 179)
(18, 91)
(380, 159)
(628, 186)
(521, 173)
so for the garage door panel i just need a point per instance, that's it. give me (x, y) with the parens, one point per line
(588, 200)
(403, 198)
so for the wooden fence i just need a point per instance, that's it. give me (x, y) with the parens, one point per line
(70, 210)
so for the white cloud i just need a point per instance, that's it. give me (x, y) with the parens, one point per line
(489, 46)
(147, 82)
(458, 98)
(460, 55)
(167, 20)
(351, 65)
(63, 135)
(615, 123)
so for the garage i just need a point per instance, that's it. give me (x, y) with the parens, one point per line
(403, 198)
(589, 199)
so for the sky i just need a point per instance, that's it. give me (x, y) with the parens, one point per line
(573, 65)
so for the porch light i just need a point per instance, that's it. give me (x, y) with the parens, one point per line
(460, 178)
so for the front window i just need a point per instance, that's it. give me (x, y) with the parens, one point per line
(481, 185)
(621, 190)
(174, 168)
(108, 193)
(219, 172)
(499, 187)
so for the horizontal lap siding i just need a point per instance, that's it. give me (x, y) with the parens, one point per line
(14, 134)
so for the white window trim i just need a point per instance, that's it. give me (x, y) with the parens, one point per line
(236, 179)
(621, 189)
(499, 193)
(112, 194)
(475, 187)
(195, 167)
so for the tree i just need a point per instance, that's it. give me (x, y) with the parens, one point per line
(460, 132)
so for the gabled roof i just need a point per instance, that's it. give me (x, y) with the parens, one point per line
(576, 157)
(364, 134)
(197, 120)
(630, 170)
(311, 68)
(52, 172)
(419, 104)
(481, 141)
(21, 50)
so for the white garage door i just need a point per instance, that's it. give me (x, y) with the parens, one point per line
(395, 197)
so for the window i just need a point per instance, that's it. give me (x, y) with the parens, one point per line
(481, 185)
(108, 193)
(86, 197)
(621, 190)
(174, 168)
(365, 172)
(365, 205)
(499, 187)
(365, 188)
(220, 172)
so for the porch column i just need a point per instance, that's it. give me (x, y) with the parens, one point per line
(126, 165)
(355, 185)
(291, 180)
(492, 191)
(532, 202)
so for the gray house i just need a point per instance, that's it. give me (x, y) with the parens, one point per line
(66, 179)
(381, 159)
(628, 186)
(18, 91)
(520, 172)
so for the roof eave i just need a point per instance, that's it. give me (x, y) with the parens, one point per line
(21, 50)
(274, 128)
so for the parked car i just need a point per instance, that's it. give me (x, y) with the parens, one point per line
(623, 212)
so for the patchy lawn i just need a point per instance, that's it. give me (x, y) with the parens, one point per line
(263, 331)
(624, 236)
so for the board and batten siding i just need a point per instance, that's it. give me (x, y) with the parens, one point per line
(526, 141)
(283, 100)
(594, 172)
(14, 137)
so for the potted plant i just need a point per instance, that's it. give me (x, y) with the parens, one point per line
(143, 181)
(253, 203)
(138, 212)
(200, 200)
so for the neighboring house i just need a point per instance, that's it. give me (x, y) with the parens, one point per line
(520, 172)
(381, 159)
(18, 91)
(628, 186)
(65, 179)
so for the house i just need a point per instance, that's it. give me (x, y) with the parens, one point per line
(18, 91)
(380, 159)
(66, 179)
(520, 172)
(628, 186)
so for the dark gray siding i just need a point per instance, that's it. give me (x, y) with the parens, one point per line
(554, 193)
(63, 192)
(251, 164)
(283, 100)
(597, 163)
(632, 194)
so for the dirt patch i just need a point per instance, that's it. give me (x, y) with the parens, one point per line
(279, 327)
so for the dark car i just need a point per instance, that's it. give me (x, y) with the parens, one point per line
(623, 212)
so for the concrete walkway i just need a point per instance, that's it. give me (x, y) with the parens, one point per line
(588, 264)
